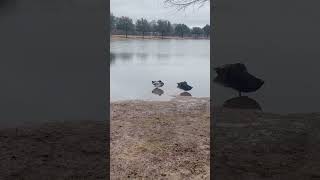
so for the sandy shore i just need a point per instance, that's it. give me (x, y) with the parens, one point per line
(119, 37)
(160, 140)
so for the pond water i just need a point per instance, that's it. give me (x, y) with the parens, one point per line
(135, 63)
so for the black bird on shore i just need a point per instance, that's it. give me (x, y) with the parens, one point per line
(184, 86)
(237, 77)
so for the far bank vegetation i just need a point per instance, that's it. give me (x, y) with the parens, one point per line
(155, 28)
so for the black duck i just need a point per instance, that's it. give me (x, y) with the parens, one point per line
(237, 77)
(184, 86)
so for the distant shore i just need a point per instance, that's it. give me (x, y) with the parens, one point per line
(117, 37)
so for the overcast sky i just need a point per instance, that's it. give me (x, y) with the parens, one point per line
(156, 9)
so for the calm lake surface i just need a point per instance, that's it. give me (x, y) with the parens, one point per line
(135, 63)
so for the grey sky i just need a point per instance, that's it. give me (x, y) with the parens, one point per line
(156, 9)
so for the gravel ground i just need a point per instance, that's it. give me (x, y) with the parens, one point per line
(60, 150)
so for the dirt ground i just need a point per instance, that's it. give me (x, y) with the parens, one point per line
(160, 140)
(167, 140)
(54, 151)
(150, 140)
(250, 145)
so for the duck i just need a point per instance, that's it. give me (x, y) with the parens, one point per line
(184, 86)
(237, 77)
(157, 84)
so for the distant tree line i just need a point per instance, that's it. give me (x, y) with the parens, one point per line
(125, 26)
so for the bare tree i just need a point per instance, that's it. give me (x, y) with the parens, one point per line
(182, 4)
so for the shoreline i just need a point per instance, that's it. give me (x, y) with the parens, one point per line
(175, 97)
(167, 139)
(122, 37)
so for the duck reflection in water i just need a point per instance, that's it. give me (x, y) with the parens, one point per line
(242, 102)
(157, 91)
(237, 77)
(185, 94)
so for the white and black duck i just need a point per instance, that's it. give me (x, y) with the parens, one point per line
(184, 86)
(157, 84)
(237, 77)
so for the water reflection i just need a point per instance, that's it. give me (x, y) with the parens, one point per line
(185, 94)
(242, 102)
(157, 91)
(162, 56)
(123, 56)
(142, 56)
